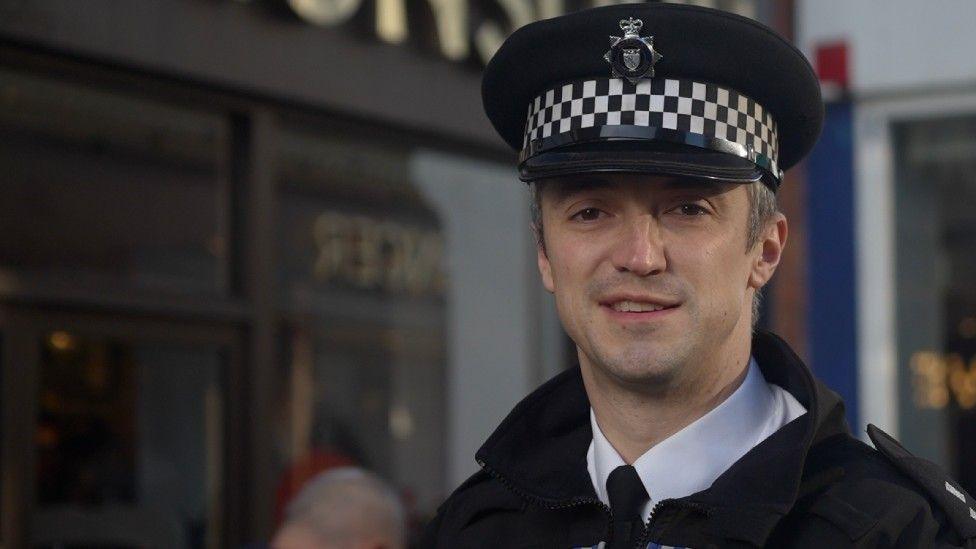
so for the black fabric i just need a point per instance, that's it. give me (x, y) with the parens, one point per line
(810, 484)
(960, 507)
(697, 43)
(627, 496)
(626, 493)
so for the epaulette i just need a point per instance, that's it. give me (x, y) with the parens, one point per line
(958, 506)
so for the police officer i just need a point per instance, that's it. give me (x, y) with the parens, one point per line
(655, 137)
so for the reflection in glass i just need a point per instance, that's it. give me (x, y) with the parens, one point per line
(362, 284)
(367, 395)
(936, 267)
(128, 444)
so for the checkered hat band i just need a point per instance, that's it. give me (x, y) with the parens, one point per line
(669, 109)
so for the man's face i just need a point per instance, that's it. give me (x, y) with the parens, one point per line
(651, 273)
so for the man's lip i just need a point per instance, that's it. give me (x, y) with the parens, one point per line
(651, 300)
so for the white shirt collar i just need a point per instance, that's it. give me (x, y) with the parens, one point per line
(691, 459)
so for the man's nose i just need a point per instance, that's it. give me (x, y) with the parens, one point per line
(639, 248)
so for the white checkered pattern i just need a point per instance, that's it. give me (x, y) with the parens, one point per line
(672, 104)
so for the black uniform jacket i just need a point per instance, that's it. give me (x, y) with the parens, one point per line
(810, 484)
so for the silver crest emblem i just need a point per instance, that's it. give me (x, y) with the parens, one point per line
(632, 56)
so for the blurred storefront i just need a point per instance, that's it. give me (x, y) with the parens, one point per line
(241, 242)
(893, 313)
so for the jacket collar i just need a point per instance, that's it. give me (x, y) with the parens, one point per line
(540, 448)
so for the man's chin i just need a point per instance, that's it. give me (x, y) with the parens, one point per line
(642, 366)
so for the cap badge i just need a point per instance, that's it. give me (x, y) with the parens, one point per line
(632, 56)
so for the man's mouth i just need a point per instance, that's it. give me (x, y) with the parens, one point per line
(636, 307)
(638, 304)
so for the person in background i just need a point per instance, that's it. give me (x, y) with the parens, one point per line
(346, 508)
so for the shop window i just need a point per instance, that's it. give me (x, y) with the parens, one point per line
(362, 286)
(936, 307)
(128, 444)
(106, 191)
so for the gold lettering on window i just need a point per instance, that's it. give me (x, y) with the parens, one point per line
(962, 381)
(928, 381)
(365, 253)
(936, 378)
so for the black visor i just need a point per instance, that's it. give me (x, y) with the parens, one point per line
(645, 158)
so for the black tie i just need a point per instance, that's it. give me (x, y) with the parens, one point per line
(627, 497)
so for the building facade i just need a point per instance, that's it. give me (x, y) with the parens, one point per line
(243, 242)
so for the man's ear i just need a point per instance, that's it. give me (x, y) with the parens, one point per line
(545, 268)
(768, 251)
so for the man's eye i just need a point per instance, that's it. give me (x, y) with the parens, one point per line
(691, 209)
(588, 214)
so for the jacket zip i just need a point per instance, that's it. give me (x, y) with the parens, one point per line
(642, 540)
(545, 503)
(578, 502)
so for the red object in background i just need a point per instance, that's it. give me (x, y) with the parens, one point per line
(832, 67)
(301, 472)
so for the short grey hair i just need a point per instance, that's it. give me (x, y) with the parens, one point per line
(762, 208)
(345, 505)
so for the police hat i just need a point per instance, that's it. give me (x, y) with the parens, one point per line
(653, 88)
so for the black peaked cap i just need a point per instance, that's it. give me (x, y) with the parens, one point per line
(700, 44)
